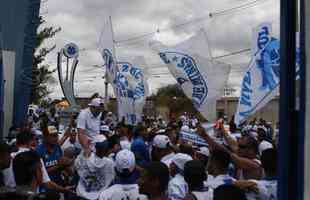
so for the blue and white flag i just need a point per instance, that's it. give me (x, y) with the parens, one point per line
(261, 81)
(201, 79)
(132, 89)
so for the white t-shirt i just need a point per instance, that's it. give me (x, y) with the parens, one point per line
(214, 182)
(206, 194)
(87, 121)
(263, 146)
(167, 159)
(177, 188)
(96, 175)
(120, 192)
(8, 174)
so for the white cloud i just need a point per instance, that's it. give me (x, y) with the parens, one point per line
(81, 22)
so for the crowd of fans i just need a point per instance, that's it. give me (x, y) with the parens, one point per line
(96, 156)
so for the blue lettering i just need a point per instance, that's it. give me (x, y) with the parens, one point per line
(183, 62)
(245, 98)
(197, 80)
(263, 38)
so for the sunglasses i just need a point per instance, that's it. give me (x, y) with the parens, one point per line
(242, 146)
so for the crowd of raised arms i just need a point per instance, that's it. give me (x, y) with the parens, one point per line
(95, 156)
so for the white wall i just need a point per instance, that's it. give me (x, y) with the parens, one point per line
(9, 77)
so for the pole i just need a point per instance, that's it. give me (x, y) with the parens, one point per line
(288, 142)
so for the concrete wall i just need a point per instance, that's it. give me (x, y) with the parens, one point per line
(270, 112)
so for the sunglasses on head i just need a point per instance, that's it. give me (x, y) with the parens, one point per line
(242, 146)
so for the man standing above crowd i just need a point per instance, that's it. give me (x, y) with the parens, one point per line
(88, 123)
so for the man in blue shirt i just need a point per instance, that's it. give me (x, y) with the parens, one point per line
(140, 147)
(52, 155)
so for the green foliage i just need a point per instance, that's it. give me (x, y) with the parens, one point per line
(173, 97)
(41, 73)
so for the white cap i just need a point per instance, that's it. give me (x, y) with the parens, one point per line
(263, 146)
(185, 128)
(96, 102)
(160, 131)
(125, 144)
(180, 159)
(99, 138)
(125, 159)
(105, 128)
(161, 141)
(204, 151)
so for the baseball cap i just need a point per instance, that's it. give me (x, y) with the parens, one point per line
(180, 159)
(204, 151)
(125, 160)
(105, 128)
(52, 130)
(185, 128)
(161, 141)
(96, 102)
(101, 141)
(263, 146)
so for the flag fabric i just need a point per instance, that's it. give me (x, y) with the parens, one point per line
(127, 79)
(132, 89)
(261, 81)
(202, 80)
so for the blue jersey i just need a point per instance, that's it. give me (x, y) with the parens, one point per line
(141, 151)
(51, 160)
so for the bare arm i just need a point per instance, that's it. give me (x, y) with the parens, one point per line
(233, 144)
(83, 139)
(244, 163)
(53, 186)
(65, 136)
(211, 142)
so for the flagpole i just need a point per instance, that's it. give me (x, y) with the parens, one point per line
(114, 58)
(209, 46)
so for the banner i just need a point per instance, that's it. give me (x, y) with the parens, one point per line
(261, 81)
(201, 79)
(128, 82)
(132, 89)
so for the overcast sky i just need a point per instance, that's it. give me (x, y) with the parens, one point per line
(82, 21)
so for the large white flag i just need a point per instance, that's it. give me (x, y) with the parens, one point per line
(201, 79)
(262, 80)
(127, 79)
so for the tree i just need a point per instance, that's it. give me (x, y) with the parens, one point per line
(174, 98)
(41, 73)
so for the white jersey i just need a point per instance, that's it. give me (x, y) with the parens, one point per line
(96, 175)
(205, 194)
(177, 188)
(122, 192)
(267, 190)
(214, 182)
